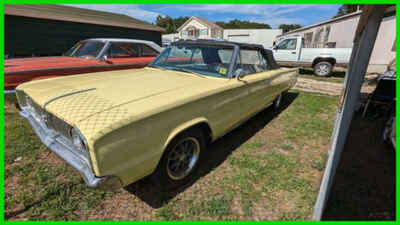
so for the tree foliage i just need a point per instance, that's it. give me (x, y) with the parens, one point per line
(346, 9)
(171, 25)
(242, 24)
(288, 27)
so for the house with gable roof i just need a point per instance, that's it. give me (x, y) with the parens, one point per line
(200, 28)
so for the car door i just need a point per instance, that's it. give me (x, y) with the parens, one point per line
(257, 79)
(287, 50)
(251, 93)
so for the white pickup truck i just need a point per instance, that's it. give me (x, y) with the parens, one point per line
(291, 52)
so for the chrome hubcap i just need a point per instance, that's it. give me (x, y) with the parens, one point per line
(322, 70)
(182, 158)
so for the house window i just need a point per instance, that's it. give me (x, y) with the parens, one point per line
(318, 35)
(203, 31)
(308, 38)
(327, 31)
(184, 33)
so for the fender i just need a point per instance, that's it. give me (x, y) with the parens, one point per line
(184, 126)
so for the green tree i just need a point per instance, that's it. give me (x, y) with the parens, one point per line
(171, 25)
(288, 27)
(346, 9)
(242, 24)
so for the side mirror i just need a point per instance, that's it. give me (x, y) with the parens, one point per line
(239, 73)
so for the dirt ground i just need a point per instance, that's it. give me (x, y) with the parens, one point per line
(364, 187)
(318, 85)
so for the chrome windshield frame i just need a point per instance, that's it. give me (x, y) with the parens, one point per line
(235, 52)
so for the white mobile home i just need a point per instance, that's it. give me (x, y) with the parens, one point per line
(264, 37)
(339, 33)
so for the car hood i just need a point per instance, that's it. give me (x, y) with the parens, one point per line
(43, 63)
(102, 99)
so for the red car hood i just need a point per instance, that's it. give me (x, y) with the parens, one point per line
(43, 63)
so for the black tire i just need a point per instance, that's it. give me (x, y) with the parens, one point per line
(163, 176)
(323, 69)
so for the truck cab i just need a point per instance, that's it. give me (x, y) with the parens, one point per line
(292, 52)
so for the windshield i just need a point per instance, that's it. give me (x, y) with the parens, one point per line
(204, 60)
(86, 49)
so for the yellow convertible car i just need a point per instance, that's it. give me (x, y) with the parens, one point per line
(117, 127)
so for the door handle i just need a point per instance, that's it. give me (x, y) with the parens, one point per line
(293, 52)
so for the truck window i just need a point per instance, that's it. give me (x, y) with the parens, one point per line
(288, 44)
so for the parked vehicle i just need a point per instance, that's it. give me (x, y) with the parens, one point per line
(120, 126)
(291, 52)
(92, 55)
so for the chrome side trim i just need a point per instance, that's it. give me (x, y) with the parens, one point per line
(57, 144)
(9, 92)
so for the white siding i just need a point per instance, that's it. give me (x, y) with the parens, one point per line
(343, 32)
(382, 53)
(264, 37)
(198, 25)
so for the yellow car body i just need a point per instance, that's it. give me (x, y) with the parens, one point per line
(129, 117)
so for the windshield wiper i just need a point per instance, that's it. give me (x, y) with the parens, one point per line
(187, 71)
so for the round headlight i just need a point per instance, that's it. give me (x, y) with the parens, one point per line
(77, 139)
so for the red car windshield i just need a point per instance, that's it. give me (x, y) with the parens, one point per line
(86, 49)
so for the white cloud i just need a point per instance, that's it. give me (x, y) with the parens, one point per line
(134, 11)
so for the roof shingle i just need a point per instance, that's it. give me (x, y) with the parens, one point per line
(80, 15)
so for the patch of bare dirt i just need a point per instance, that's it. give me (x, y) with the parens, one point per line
(122, 206)
(329, 88)
(323, 87)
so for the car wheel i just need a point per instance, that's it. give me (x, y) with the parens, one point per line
(180, 160)
(323, 69)
(277, 102)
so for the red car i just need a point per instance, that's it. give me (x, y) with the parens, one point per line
(92, 55)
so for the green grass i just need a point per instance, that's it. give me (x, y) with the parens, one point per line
(252, 145)
(273, 175)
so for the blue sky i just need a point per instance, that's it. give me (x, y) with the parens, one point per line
(273, 14)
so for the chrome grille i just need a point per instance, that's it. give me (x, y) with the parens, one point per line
(36, 111)
(21, 98)
(49, 120)
(58, 125)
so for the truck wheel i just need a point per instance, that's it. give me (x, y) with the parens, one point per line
(180, 160)
(323, 69)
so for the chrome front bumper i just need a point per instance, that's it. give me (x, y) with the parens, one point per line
(58, 145)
